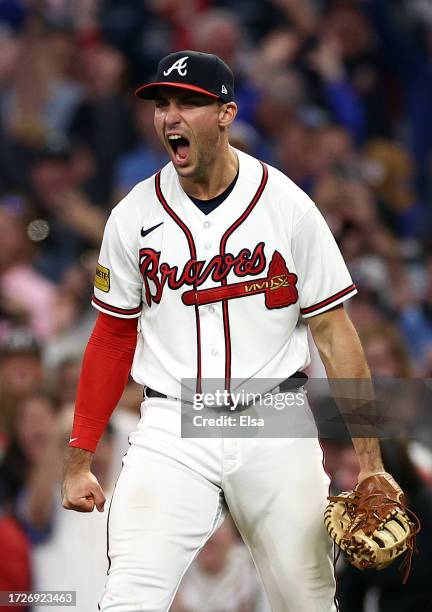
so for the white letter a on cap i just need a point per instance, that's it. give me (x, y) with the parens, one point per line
(179, 65)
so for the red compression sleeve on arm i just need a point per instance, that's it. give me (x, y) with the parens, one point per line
(104, 374)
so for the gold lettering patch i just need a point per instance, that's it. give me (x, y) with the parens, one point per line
(102, 278)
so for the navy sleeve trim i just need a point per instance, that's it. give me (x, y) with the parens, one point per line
(115, 309)
(329, 300)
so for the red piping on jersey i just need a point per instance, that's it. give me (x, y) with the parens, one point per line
(125, 311)
(223, 243)
(192, 250)
(107, 530)
(328, 301)
(323, 461)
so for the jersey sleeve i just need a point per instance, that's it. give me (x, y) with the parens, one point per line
(323, 278)
(117, 283)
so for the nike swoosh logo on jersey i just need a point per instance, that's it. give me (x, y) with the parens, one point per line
(150, 229)
(72, 440)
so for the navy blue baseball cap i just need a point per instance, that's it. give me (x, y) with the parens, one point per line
(204, 73)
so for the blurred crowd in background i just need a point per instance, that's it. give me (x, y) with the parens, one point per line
(335, 93)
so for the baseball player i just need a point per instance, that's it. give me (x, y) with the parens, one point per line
(221, 261)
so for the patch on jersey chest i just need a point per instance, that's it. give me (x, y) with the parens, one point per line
(102, 278)
(278, 286)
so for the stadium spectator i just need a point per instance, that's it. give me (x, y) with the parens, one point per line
(33, 427)
(145, 158)
(53, 530)
(21, 373)
(19, 277)
(15, 570)
(71, 222)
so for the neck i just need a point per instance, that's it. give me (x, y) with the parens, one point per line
(216, 179)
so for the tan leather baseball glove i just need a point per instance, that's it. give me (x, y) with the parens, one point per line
(372, 524)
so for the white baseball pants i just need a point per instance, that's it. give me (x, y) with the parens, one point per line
(172, 494)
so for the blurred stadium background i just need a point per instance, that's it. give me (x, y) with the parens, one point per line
(335, 93)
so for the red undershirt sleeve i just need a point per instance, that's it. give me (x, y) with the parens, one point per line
(105, 369)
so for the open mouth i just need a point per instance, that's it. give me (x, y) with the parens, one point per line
(180, 147)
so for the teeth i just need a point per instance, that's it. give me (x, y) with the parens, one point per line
(174, 137)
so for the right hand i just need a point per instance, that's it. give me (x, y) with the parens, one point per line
(81, 492)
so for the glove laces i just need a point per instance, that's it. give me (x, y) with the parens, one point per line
(367, 515)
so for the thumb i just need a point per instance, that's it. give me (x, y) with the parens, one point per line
(99, 497)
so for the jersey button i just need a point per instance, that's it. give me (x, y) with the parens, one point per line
(206, 224)
(214, 352)
(211, 309)
(207, 245)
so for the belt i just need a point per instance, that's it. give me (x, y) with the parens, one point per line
(295, 381)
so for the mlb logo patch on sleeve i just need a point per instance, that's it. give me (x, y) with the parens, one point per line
(102, 278)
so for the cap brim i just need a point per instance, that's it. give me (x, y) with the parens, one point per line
(147, 92)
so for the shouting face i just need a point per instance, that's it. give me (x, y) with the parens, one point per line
(190, 126)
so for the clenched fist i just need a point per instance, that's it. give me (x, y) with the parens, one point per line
(81, 490)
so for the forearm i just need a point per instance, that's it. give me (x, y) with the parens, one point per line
(342, 354)
(40, 499)
(106, 366)
(77, 460)
(352, 394)
(351, 386)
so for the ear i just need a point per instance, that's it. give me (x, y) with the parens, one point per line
(227, 114)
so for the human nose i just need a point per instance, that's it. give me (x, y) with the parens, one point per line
(172, 116)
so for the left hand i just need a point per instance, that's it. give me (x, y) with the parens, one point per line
(363, 474)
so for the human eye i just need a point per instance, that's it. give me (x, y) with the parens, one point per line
(192, 101)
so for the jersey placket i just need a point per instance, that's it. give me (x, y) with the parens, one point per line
(212, 334)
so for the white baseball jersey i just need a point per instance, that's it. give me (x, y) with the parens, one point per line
(219, 295)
